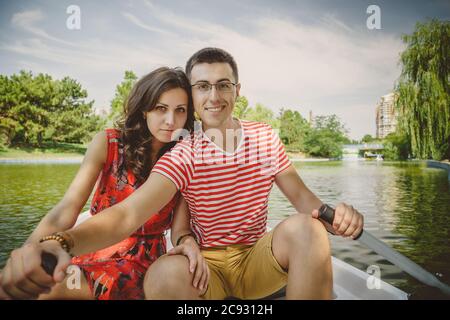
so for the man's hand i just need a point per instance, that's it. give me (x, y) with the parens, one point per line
(348, 222)
(23, 276)
(197, 263)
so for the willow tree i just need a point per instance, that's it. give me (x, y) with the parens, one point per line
(423, 90)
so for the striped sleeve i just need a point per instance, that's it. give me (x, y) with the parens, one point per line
(282, 161)
(177, 165)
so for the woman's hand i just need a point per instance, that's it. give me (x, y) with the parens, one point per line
(197, 262)
(23, 276)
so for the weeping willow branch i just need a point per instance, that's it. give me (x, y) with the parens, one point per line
(423, 90)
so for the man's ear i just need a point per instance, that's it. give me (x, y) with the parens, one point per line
(238, 89)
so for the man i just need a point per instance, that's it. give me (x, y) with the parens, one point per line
(225, 173)
(226, 186)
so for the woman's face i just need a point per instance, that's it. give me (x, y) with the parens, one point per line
(169, 114)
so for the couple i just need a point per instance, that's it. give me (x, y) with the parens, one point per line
(215, 181)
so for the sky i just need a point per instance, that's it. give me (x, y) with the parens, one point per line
(302, 55)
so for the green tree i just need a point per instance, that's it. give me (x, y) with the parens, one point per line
(120, 97)
(261, 113)
(241, 107)
(396, 146)
(326, 138)
(37, 109)
(293, 129)
(367, 138)
(423, 90)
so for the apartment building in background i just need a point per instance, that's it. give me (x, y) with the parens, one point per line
(386, 116)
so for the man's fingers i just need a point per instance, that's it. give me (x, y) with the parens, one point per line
(315, 213)
(352, 226)
(338, 217)
(345, 220)
(360, 227)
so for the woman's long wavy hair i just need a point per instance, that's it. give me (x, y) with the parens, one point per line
(135, 134)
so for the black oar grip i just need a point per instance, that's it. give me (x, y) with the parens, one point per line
(326, 213)
(49, 262)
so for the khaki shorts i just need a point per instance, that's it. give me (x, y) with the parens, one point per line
(244, 271)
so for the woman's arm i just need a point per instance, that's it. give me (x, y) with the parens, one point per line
(98, 232)
(64, 215)
(119, 221)
(23, 276)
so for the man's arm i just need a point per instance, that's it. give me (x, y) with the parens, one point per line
(119, 221)
(292, 186)
(348, 222)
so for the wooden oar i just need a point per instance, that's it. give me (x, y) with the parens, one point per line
(326, 213)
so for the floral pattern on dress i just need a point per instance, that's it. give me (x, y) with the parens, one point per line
(117, 272)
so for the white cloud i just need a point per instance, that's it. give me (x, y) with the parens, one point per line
(27, 20)
(283, 63)
(135, 20)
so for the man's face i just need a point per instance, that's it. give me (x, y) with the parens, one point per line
(214, 107)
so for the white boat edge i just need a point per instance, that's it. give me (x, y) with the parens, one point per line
(349, 283)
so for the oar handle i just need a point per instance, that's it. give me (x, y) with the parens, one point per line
(326, 213)
(49, 262)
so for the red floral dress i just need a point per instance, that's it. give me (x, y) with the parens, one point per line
(117, 272)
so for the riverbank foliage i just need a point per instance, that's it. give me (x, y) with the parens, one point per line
(47, 150)
(37, 111)
(322, 136)
(423, 91)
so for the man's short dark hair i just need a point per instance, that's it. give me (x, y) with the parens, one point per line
(211, 55)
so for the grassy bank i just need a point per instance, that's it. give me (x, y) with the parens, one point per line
(57, 150)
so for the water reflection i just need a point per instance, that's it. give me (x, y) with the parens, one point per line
(28, 192)
(404, 204)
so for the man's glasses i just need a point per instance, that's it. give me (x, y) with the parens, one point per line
(222, 87)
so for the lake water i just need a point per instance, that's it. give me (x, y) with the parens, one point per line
(405, 204)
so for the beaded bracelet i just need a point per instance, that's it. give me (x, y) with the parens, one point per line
(185, 235)
(63, 238)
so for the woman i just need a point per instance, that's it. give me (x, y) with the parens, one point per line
(159, 104)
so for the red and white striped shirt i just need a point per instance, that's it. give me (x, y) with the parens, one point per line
(227, 193)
